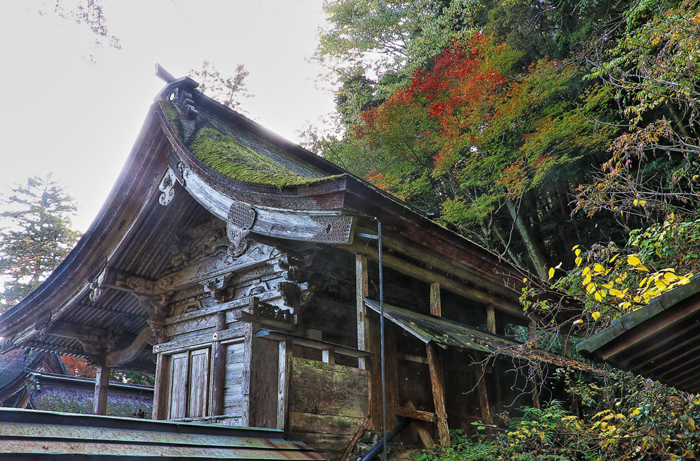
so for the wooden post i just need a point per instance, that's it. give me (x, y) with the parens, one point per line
(327, 356)
(532, 333)
(435, 304)
(361, 291)
(283, 385)
(101, 390)
(490, 319)
(246, 416)
(481, 390)
(436, 380)
(218, 382)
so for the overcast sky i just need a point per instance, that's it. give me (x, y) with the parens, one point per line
(77, 120)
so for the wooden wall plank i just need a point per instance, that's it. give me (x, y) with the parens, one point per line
(199, 383)
(177, 402)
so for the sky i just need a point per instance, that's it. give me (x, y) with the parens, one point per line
(78, 120)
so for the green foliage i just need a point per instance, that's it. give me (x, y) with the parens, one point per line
(634, 419)
(37, 236)
(611, 281)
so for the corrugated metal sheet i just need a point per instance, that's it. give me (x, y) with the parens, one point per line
(659, 341)
(448, 333)
(27, 434)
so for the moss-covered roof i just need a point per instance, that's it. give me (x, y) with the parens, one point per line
(226, 150)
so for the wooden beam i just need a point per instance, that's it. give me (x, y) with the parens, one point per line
(361, 290)
(455, 286)
(101, 390)
(420, 427)
(435, 304)
(311, 343)
(436, 381)
(353, 441)
(132, 352)
(409, 411)
(78, 332)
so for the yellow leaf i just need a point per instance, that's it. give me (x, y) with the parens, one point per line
(607, 285)
(590, 288)
(614, 258)
(598, 268)
(644, 280)
(597, 296)
(578, 262)
(633, 260)
(595, 315)
(578, 252)
(551, 273)
(574, 247)
(525, 280)
(641, 268)
(586, 270)
(587, 279)
(617, 293)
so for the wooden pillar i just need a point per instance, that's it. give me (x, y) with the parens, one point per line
(436, 380)
(480, 374)
(361, 291)
(435, 304)
(283, 385)
(246, 419)
(490, 319)
(328, 356)
(218, 369)
(101, 390)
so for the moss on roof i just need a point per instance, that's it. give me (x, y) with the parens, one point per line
(225, 155)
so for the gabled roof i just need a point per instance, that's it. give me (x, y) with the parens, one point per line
(194, 159)
(660, 340)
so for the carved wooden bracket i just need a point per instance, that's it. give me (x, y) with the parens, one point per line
(167, 187)
(219, 288)
(96, 286)
(157, 310)
(267, 315)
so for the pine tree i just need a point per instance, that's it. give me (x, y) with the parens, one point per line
(36, 236)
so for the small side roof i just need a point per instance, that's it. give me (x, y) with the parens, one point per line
(660, 340)
(37, 434)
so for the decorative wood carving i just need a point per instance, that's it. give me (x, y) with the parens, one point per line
(167, 187)
(220, 288)
(97, 284)
(241, 219)
(158, 311)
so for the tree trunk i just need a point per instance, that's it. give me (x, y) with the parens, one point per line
(533, 250)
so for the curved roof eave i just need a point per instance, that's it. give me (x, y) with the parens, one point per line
(139, 177)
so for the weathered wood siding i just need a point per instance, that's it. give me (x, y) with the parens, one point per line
(328, 403)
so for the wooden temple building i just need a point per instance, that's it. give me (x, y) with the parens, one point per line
(243, 270)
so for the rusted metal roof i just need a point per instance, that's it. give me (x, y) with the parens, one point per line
(659, 341)
(449, 333)
(28, 434)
